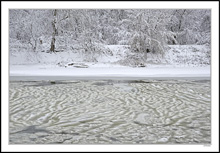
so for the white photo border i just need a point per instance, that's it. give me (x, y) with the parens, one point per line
(5, 6)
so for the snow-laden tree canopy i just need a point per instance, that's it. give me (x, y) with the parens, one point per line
(144, 30)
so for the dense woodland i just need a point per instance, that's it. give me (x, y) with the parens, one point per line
(88, 31)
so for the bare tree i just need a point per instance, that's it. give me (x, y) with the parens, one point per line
(55, 32)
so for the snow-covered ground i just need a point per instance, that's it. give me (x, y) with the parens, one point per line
(178, 61)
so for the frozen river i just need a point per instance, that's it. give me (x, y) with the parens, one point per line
(110, 112)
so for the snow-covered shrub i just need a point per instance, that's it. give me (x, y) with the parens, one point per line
(157, 47)
(44, 43)
(188, 55)
(93, 49)
(171, 38)
(139, 43)
(133, 60)
(19, 46)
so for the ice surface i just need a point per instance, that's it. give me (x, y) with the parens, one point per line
(110, 112)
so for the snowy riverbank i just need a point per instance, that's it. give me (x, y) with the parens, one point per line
(179, 61)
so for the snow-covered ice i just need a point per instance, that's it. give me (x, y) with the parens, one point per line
(39, 70)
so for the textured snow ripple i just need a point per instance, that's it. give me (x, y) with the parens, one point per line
(95, 112)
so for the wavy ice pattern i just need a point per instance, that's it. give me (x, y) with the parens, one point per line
(110, 112)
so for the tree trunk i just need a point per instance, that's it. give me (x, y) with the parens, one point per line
(52, 46)
(145, 56)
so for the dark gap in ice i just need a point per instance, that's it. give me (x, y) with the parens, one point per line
(113, 139)
(63, 132)
(111, 82)
(32, 129)
(102, 83)
(47, 83)
(201, 81)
